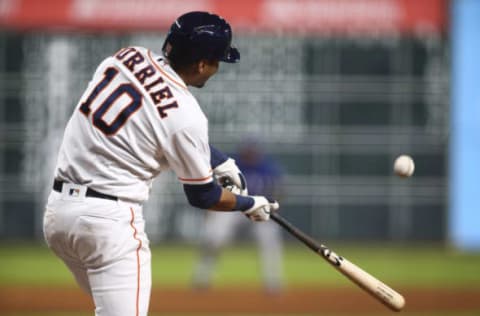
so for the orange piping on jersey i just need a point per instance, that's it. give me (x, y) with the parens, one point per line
(138, 262)
(196, 180)
(164, 73)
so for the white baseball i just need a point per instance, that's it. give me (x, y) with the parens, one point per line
(404, 166)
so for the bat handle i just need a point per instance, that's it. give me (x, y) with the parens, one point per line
(307, 240)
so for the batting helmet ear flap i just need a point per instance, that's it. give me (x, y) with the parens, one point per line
(232, 55)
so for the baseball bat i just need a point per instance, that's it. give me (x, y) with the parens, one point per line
(366, 281)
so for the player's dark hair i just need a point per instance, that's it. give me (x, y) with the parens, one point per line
(180, 56)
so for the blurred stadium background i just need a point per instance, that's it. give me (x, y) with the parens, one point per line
(335, 90)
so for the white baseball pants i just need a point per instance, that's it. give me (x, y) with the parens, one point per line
(104, 245)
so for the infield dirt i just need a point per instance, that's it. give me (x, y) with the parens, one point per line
(246, 301)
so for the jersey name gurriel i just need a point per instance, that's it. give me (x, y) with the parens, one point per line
(148, 76)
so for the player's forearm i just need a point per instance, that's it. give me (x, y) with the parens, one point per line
(232, 202)
(213, 197)
(226, 202)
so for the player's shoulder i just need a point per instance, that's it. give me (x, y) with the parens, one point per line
(188, 115)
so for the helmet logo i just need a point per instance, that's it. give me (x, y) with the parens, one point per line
(205, 29)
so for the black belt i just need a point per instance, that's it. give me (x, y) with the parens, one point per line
(57, 186)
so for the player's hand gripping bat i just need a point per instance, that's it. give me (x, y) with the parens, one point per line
(369, 283)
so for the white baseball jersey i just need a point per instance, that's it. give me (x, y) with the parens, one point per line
(136, 119)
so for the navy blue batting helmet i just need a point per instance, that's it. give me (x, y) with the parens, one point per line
(200, 35)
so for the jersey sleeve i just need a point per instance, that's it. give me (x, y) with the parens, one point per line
(189, 156)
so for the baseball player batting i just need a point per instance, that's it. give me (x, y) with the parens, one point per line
(136, 119)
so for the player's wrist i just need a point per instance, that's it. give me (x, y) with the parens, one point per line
(243, 203)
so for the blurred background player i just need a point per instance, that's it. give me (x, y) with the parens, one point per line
(264, 177)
